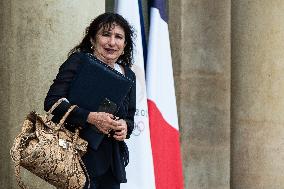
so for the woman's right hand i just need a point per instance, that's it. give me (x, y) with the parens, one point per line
(103, 121)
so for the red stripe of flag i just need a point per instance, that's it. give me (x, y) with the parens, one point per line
(166, 151)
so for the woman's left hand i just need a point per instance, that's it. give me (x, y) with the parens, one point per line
(121, 130)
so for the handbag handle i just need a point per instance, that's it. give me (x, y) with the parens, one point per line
(55, 105)
(63, 119)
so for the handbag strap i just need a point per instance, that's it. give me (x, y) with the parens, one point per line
(86, 172)
(63, 119)
(55, 105)
(18, 176)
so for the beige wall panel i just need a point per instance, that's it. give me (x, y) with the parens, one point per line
(35, 37)
(257, 94)
(200, 39)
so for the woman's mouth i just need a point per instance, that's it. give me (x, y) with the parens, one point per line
(111, 51)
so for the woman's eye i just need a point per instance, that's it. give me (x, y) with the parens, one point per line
(119, 37)
(105, 34)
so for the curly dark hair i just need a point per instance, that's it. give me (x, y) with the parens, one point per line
(106, 20)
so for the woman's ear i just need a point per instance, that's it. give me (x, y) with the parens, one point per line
(92, 41)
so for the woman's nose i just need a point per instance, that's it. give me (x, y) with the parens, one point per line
(112, 40)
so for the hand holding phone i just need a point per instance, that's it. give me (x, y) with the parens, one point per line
(102, 123)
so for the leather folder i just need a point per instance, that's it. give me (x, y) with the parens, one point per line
(95, 82)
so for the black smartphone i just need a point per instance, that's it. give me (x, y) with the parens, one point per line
(107, 106)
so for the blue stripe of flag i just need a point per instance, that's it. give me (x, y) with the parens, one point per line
(144, 44)
(161, 6)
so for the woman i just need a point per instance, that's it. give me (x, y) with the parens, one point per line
(108, 39)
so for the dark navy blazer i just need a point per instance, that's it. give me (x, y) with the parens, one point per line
(109, 153)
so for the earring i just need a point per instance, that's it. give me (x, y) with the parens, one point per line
(92, 47)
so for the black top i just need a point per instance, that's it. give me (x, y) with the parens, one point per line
(95, 159)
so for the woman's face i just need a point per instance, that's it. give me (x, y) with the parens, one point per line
(109, 44)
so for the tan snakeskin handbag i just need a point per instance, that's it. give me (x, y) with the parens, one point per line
(50, 151)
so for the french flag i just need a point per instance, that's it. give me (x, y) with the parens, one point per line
(163, 119)
(140, 170)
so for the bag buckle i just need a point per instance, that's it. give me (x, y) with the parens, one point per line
(63, 143)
